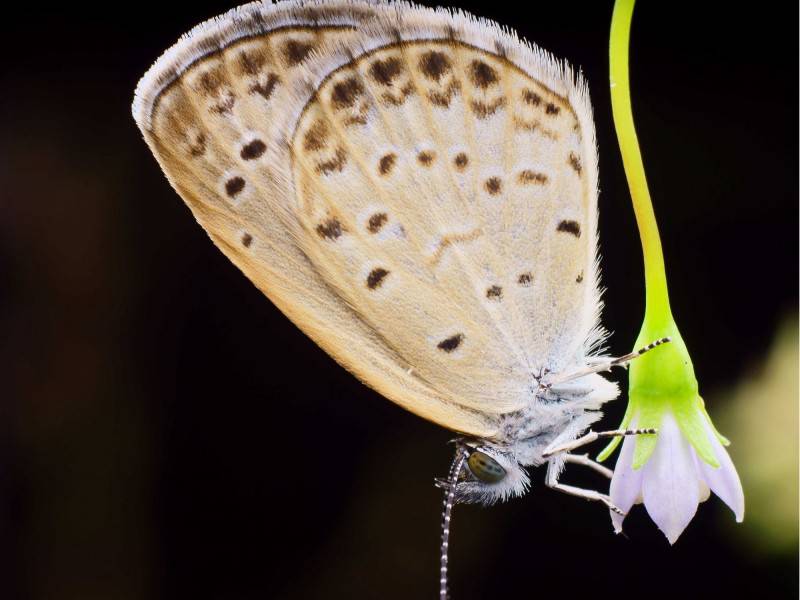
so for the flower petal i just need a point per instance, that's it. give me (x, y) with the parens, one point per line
(705, 491)
(724, 480)
(626, 484)
(670, 481)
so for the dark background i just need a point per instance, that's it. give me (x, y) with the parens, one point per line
(166, 433)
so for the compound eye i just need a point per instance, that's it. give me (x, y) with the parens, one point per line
(485, 468)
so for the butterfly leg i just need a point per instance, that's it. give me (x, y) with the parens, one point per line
(584, 460)
(552, 482)
(599, 366)
(592, 436)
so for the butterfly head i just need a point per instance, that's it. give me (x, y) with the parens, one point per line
(489, 475)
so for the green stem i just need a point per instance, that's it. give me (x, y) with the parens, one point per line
(657, 298)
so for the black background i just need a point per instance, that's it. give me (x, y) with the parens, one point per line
(166, 433)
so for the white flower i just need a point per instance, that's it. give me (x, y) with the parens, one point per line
(674, 480)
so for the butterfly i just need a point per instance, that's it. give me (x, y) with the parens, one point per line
(416, 189)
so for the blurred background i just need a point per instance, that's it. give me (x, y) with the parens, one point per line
(166, 433)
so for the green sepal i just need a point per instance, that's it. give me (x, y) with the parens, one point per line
(690, 422)
(651, 411)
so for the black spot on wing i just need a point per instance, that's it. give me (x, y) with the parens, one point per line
(386, 163)
(425, 158)
(266, 88)
(376, 222)
(572, 227)
(434, 64)
(386, 71)
(575, 162)
(494, 185)
(330, 229)
(296, 51)
(494, 293)
(376, 277)
(234, 186)
(346, 92)
(253, 150)
(451, 343)
(482, 75)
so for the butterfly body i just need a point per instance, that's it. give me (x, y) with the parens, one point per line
(417, 190)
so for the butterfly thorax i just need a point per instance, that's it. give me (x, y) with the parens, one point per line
(555, 415)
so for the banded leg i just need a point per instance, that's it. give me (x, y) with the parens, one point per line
(592, 436)
(604, 365)
(552, 482)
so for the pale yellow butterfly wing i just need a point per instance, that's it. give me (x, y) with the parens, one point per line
(416, 190)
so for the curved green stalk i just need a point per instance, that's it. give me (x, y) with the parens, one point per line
(655, 275)
(662, 380)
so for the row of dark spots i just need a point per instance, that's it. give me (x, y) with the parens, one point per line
(484, 110)
(250, 151)
(435, 64)
(426, 158)
(332, 228)
(534, 99)
(494, 185)
(294, 52)
(495, 292)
